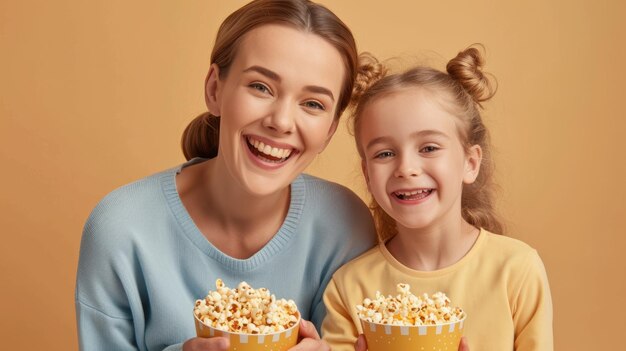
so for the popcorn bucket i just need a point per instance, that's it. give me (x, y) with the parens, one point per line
(280, 341)
(385, 337)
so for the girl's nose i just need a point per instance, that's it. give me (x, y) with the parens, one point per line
(281, 118)
(407, 168)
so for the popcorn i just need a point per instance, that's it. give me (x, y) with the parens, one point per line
(406, 309)
(245, 310)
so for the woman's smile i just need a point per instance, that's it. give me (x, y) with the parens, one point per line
(269, 152)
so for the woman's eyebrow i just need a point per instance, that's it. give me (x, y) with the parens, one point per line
(320, 90)
(275, 77)
(264, 71)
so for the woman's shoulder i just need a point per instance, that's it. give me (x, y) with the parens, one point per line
(131, 202)
(332, 200)
(335, 209)
(326, 190)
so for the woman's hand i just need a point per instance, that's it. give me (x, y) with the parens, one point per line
(217, 343)
(309, 339)
(361, 344)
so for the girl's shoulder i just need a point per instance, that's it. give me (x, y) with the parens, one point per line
(506, 244)
(509, 252)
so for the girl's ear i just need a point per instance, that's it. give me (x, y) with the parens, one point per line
(473, 159)
(212, 86)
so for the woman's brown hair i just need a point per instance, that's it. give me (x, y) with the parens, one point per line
(464, 87)
(201, 137)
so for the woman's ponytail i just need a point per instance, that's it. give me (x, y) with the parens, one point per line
(201, 137)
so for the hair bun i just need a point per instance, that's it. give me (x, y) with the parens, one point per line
(369, 72)
(466, 68)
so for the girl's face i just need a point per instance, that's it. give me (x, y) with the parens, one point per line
(277, 105)
(414, 162)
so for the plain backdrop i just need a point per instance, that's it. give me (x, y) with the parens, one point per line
(95, 94)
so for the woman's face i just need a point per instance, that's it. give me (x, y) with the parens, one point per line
(277, 105)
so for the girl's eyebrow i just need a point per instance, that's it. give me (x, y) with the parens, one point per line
(275, 77)
(421, 133)
(375, 141)
(430, 132)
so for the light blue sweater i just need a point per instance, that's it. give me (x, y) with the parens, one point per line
(143, 262)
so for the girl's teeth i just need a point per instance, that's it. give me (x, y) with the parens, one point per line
(413, 194)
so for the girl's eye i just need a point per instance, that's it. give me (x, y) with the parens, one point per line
(429, 149)
(314, 105)
(260, 87)
(384, 154)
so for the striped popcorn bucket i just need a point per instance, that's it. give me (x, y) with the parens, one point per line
(280, 341)
(441, 337)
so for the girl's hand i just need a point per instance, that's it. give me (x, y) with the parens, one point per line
(309, 338)
(361, 344)
(463, 346)
(217, 343)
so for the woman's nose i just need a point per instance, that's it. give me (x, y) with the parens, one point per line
(281, 118)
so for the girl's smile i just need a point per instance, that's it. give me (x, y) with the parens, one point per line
(412, 196)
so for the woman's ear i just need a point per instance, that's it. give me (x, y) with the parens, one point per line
(212, 86)
(331, 132)
(365, 175)
(474, 157)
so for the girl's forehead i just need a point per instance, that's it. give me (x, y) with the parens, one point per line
(406, 113)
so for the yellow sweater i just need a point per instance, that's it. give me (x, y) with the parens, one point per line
(501, 284)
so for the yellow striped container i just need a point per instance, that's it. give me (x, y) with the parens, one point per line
(441, 337)
(280, 341)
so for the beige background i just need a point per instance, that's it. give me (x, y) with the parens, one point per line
(95, 94)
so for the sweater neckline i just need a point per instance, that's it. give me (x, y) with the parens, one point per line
(278, 242)
(482, 237)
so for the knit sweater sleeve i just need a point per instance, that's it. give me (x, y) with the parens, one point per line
(346, 230)
(532, 308)
(104, 288)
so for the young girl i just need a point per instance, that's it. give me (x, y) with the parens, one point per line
(426, 159)
(281, 74)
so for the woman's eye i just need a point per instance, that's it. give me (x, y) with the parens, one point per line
(384, 154)
(260, 87)
(314, 105)
(429, 149)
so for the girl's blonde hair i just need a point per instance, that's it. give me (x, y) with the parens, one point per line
(201, 137)
(463, 88)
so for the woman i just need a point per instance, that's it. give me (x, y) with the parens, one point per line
(281, 74)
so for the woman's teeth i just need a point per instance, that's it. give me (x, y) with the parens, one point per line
(413, 195)
(268, 152)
